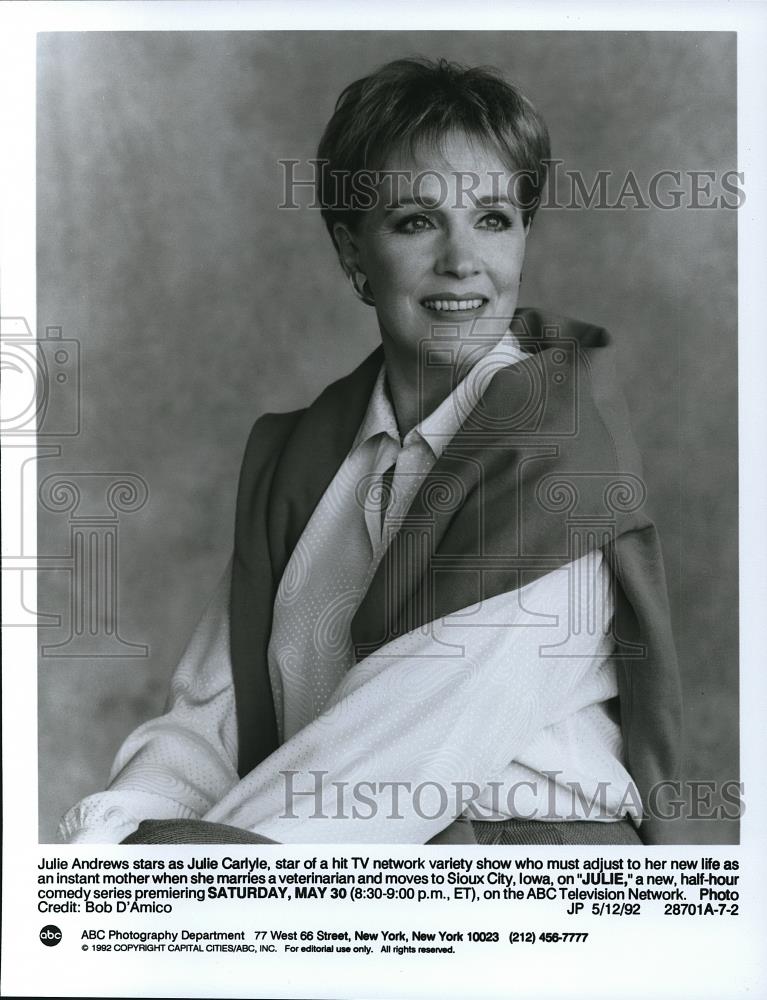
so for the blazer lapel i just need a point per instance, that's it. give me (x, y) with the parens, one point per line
(321, 440)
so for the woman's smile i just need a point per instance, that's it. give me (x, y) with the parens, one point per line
(450, 302)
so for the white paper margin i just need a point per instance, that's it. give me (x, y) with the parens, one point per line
(662, 958)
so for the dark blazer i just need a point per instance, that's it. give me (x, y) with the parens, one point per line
(542, 470)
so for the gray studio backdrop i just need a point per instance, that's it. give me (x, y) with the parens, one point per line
(197, 305)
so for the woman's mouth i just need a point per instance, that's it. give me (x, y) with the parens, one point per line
(453, 303)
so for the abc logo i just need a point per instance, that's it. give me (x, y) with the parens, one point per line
(50, 935)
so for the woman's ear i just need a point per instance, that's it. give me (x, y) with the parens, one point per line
(349, 257)
(346, 245)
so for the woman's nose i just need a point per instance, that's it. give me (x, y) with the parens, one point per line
(456, 256)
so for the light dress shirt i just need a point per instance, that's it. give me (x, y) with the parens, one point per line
(501, 708)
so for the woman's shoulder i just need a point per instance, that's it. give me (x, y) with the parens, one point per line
(271, 429)
(572, 393)
(305, 442)
(266, 440)
(576, 355)
(546, 326)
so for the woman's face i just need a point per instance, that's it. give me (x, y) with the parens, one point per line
(447, 249)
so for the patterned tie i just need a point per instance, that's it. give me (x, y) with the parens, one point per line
(386, 492)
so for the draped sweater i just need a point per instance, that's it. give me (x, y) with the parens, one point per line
(542, 470)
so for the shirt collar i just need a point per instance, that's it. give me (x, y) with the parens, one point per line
(440, 426)
(379, 417)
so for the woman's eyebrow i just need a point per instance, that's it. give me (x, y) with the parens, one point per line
(423, 201)
(487, 200)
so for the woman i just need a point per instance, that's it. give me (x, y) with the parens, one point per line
(445, 617)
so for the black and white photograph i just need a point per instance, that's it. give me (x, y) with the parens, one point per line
(378, 500)
(485, 540)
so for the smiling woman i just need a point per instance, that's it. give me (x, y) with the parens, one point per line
(445, 617)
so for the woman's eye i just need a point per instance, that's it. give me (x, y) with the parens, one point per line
(415, 224)
(495, 221)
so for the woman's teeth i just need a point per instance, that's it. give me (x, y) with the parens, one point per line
(452, 305)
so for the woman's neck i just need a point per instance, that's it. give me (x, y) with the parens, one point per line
(412, 397)
(417, 385)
